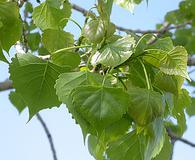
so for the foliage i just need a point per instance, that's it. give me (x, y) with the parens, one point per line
(121, 90)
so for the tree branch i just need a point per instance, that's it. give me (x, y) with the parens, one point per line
(49, 137)
(6, 85)
(176, 138)
(191, 61)
(160, 31)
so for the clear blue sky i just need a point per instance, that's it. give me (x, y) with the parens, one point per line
(21, 141)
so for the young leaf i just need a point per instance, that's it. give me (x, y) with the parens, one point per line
(94, 30)
(49, 14)
(127, 4)
(34, 80)
(101, 106)
(145, 105)
(115, 53)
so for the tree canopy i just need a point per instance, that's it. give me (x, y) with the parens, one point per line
(125, 91)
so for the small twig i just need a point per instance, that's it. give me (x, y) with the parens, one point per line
(48, 135)
(176, 138)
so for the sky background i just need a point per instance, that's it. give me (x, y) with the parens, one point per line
(20, 140)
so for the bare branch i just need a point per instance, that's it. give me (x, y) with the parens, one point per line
(50, 139)
(160, 31)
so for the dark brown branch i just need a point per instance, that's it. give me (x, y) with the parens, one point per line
(176, 138)
(160, 31)
(48, 135)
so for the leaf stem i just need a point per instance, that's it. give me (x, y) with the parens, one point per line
(69, 48)
(75, 22)
(145, 35)
(145, 73)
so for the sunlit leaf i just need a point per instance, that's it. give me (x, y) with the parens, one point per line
(115, 53)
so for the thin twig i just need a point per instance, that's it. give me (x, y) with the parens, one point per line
(176, 138)
(48, 135)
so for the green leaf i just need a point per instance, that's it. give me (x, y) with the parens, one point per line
(138, 146)
(34, 40)
(166, 150)
(127, 4)
(50, 15)
(10, 24)
(117, 129)
(145, 105)
(96, 147)
(136, 74)
(34, 80)
(155, 139)
(115, 53)
(191, 109)
(94, 30)
(105, 8)
(173, 62)
(101, 106)
(131, 145)
(54, 40)
(142, 43)
(28, 7)
(68, 81)
(163, 44)
(181, 102)
(69, 59)
(17, 100)
(168, 83)
(86, 127)
(2, 56)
